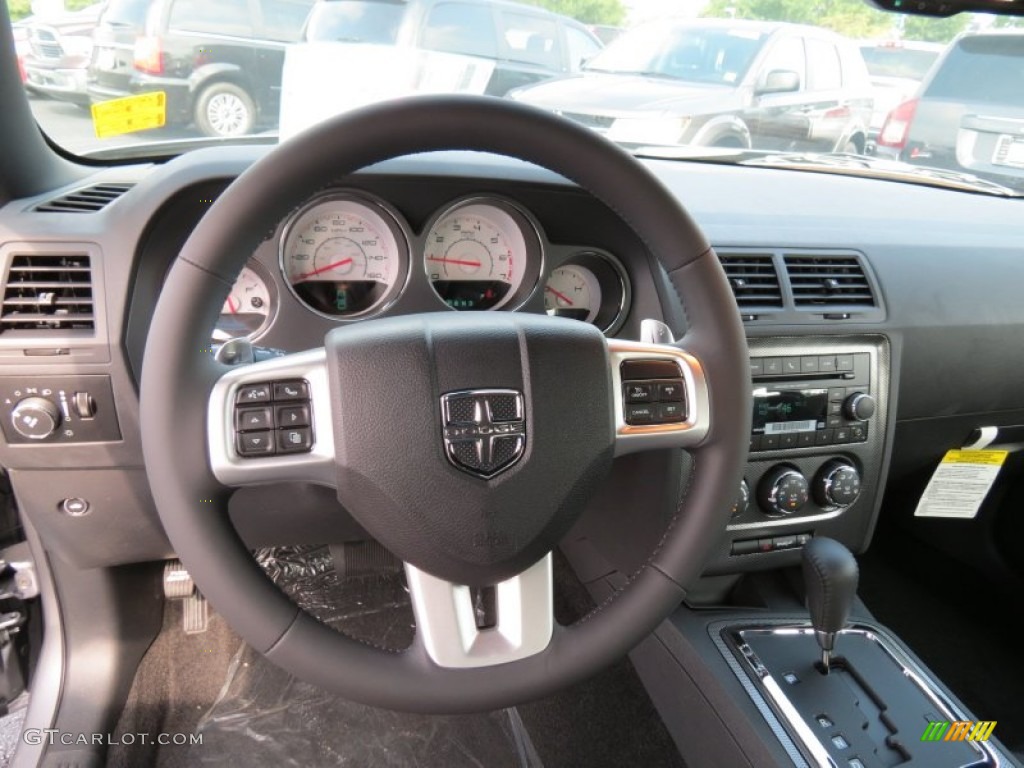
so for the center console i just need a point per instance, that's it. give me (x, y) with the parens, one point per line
(819, 425)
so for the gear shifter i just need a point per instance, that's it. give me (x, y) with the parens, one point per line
(830, 580)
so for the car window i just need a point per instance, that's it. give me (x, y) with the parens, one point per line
(283, 19)
(986, 69)
(461, 28)
(582, 47)
(694, 53)
(128, 12)
(531, 39)
(893, 61)
(786, 55)
(355, 21)
(824, 73)
(225, 17)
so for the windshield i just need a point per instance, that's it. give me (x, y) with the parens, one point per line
(693, 53)
(897, 61)
(713, 81)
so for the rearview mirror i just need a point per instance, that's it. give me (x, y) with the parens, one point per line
(779, 81)
(950, 7)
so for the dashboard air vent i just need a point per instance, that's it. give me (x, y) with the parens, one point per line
(828, 281)
(85, 200)
(753, 279)
(48, 292)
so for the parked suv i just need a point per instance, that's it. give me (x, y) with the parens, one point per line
(897, 68)
(718, 82)
(969, 114)
(59, 49)
(527, 44)
(218, 61)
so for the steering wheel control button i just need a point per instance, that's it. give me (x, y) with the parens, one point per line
(669, 412)
(292, 416)
(256, 443)
(291, 390)
(295, 440)
(252, 419)
(633, 370)
(640, 414)
(639, 392)
(252, 394)
(670, 391)
(75, 507)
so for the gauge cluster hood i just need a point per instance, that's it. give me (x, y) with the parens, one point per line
(611, 94)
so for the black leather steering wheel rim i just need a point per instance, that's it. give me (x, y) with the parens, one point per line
(179, 373)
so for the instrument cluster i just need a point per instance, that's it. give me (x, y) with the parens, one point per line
(347, 255)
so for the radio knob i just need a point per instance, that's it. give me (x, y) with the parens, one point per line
(837, 485)
(859, 406)
(35, 418)
(783, 491)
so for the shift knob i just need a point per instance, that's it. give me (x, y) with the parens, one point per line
(830, 580)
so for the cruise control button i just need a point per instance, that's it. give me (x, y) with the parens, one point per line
(291, 390)
(670, 391)
(294, 440)
(668, 412)
(639, 414)
(293, 416)
(251, 419)
(639, 392)
(256, 443)
(253, 393)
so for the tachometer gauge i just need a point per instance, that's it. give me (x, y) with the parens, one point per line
(247, 309)
(572, 291)
(482, 255)
(591, 286)
(345, 256)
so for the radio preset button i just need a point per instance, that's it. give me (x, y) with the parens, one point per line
(806, 439)
(770, 443)
(824, 437)
(787, 440)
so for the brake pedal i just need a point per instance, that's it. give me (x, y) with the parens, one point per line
(178, 585)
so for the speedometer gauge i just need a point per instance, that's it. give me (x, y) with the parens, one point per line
(482, 255)
(345, 256)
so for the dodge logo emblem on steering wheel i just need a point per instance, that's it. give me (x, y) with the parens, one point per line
(484, 429)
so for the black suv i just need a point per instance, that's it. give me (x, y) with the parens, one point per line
(218, 62)
(969, 113)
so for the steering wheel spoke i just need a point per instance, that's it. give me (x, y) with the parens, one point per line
(660, 397)
(271, 422)
(460, 627)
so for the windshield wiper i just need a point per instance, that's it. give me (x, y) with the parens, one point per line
(877, 168)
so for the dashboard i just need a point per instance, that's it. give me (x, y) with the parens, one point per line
(922, 319)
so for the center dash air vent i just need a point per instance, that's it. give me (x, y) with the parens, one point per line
(48, 292)
(753, 279)
(828, 281)
(85, 200)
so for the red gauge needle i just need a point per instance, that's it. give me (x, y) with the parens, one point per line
(460, 262)
(559, 294)
(341, 263)
(232, 306)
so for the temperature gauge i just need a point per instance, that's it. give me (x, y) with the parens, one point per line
(247, 308)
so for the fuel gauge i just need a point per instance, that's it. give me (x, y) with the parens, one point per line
(247, 308)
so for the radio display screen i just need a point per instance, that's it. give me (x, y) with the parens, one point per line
(789, 410)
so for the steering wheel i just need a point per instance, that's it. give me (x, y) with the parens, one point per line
(466, 443)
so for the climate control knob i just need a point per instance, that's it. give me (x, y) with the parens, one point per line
(35, 418)
(783, 491)
(859, 406)
(837, 484)
(742, 502)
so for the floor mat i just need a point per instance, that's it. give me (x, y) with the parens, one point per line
(958, 622)
(262, 716)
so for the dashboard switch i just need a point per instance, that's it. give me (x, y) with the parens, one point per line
(254, 393)
(640, 414)
(256, 443)
(291, 390)
(253, 419)
(84, 405)
(639, 392)
(35, 418)
(294, 440)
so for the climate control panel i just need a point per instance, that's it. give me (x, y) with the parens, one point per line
(58, 409)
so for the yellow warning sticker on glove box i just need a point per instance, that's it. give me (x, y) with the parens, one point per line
(960, 484)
